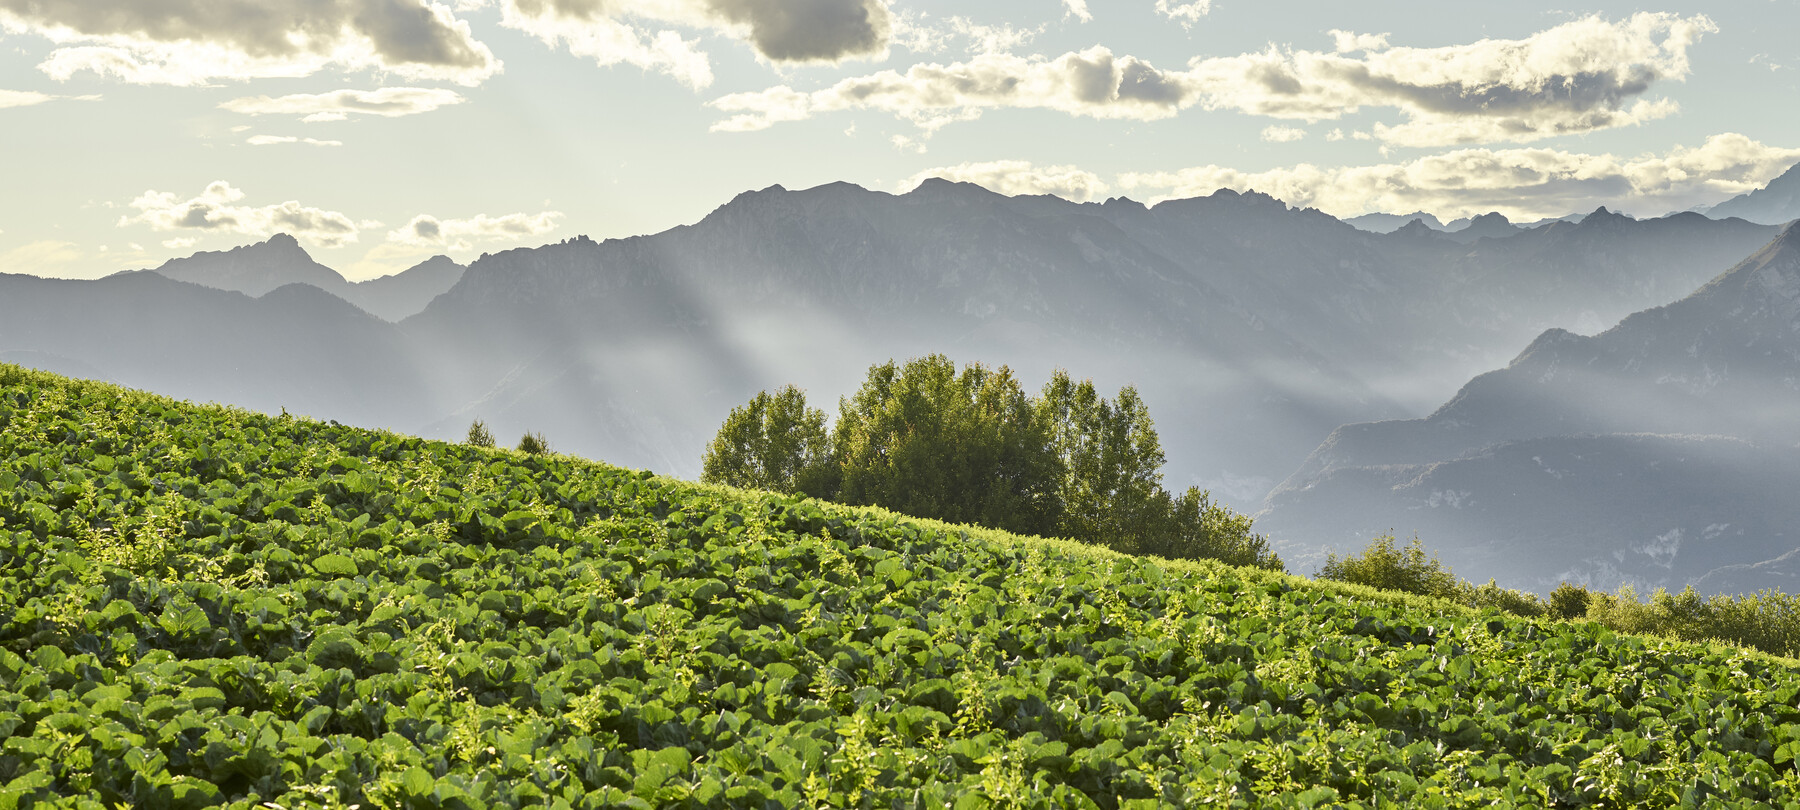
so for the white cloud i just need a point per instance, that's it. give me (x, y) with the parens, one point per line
(391, 102)
(457, 234)
(1186, 13)
(1279, 134)
(193, 42)
(1522, 183)
(1079, 10)
(1015, 177)
(992, 38)
(626, 31)
(1580, 76)
(180, 243)
(1577, 77)
(908, 144)
(271, 140)
(216, 209)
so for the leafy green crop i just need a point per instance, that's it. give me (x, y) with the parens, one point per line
(203, 606)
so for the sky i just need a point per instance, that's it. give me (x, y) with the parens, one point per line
(382, 132)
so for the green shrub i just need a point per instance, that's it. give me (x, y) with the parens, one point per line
(534, 444)
(1382, 565)
(1569, 601)
(1195, 528)
(479, 435)
(1491, 595)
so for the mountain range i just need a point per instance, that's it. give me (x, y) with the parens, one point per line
(1253, 329)
(1661, 452)
(256, 270)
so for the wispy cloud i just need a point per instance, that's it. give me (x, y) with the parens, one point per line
(27, 98)
(194, 42)
(391, 102)
(1015, 177)
(1523, 183)
(1186, 13)
(459, 234)
(272, 140)
(217, 209)
(1280, 134)
(1585, 75)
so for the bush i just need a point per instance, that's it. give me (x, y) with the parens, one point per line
(1198, 529)
(479, 435)
(1491, 595)
(1381, 565)
(534, 444)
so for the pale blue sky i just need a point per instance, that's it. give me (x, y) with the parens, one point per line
(139, 130)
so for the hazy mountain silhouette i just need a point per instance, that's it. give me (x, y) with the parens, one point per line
(297, 347)
(1253, 329)
(255, 270)
(1723, 362)
(1388, 223)
(812, 287)
(1486, 226)
(1773, 204)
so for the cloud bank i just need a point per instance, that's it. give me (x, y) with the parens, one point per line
(216, 210)
(459, 234)
(648, 33)
(1523, 183)
(1092, 83)
(1585, 75)
(391, 102)
(193, 42)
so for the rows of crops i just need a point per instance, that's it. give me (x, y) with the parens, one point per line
(200, 605)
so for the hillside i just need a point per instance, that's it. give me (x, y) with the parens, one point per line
(1542, 471)
(201, 605)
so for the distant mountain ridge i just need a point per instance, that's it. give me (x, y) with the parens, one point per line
(1709, 380)
(1251, 328)
(255, 270)
(1773, 204)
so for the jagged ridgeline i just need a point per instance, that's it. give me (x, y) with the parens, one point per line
(202, 605)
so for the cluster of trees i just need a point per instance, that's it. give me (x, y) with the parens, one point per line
(971, 446)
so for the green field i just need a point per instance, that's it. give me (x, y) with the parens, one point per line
(205, 606)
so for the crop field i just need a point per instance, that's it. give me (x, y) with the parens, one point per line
(204, 606)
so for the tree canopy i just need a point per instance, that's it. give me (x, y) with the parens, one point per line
(773, 442)
(970, 446)
(966, 447)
